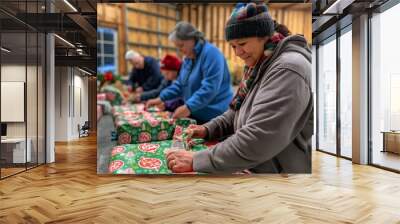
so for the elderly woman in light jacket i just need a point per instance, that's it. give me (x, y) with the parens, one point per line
(270, 120)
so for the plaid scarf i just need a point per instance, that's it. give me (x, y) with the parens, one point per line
(250, 73)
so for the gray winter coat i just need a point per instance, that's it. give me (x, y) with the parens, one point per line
(271, 133)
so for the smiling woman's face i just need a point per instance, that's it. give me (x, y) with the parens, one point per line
(249, 49)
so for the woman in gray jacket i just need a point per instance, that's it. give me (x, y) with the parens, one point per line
(269, 125)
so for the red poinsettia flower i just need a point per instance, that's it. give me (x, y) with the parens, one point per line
(108, 76)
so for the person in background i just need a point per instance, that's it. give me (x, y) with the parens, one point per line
(145, 74)
(203, 81)
(170, 66)
(269, 124)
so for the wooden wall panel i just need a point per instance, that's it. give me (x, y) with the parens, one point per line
(146, 28)
(209, 18)
(296, 16)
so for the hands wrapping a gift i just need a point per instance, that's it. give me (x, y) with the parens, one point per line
(180, 161)
(182, 111)
(154, 102)
(197, 131)
(157, 102)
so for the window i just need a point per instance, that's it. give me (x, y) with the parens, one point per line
(327, 95)
(346, 93)
(313, 88)
(385, 88)
(107, 53)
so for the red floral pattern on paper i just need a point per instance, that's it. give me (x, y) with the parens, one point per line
(149, 147)
(110, 96)
(135, 123)
(144, 137)
(154, 122)
(115, 165)
(124, 138)
(178, 131)
(163, 135)
(131, 114)
(140, 107)
(101, 96)
(150, 163)
(117, 150)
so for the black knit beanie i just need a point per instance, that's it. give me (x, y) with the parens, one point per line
(249, 20)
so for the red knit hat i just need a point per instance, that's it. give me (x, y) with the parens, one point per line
(170, 62)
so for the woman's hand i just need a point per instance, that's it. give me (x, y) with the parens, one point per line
(180, 161)
(182, 111)
(139, 90)
(197, 131)
(154, 102)
(161, 106)
(137, 97)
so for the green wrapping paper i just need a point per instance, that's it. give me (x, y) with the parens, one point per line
(112, 94)
(132, 108)
(145, 158)
(129, 108)
(143, 127)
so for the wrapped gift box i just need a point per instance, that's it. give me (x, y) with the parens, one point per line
(137, 107)
(145, 158)
(101, 96)
(113, 95)
(120, 109)
(146, 127)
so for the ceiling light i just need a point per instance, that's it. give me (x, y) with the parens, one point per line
(86, 72)
(5, 49)
(65, 41)
(70, 5)
(337, 7)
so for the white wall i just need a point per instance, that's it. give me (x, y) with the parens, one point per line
(12, 73)
(34, 125)
(71, 94)
(61, 103)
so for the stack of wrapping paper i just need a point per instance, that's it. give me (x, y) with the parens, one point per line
(145, 158)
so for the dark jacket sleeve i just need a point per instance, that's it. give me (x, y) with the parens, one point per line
(154, 73)
(132, 78)
(275, 120)
(154, 93)
(171, 105)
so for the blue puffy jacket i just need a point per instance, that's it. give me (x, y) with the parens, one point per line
(203, 82)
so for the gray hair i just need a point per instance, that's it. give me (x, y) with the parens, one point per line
(131, 54)
(185, 31)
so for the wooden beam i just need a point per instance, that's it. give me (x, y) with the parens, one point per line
(204, 17)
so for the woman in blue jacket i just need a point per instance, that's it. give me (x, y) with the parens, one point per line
(204, 80)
